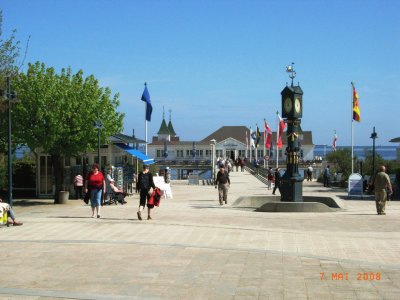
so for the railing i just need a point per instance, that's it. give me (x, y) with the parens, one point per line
(184, 163)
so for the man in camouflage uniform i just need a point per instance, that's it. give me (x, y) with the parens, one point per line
(382, 187)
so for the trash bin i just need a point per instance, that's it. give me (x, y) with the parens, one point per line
(63, 197)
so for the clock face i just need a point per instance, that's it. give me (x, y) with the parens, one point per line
(297, 105)
(287, 105)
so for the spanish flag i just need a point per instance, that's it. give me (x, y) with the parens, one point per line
(356, 108)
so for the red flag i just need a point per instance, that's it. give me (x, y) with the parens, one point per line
(282, 127)
(267, 135)
(356, 108)
(334, 142)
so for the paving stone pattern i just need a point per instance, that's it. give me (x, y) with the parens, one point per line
(196, 249)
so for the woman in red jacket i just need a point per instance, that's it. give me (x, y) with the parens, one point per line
(96, 186)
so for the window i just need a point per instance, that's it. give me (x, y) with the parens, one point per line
(179, 153)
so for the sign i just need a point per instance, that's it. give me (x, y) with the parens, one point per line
(355, 185)
(193, 179)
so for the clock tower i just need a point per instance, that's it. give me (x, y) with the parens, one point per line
(292, 110)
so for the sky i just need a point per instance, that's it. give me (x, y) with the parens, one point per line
(220, 63)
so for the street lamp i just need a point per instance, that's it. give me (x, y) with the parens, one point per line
(373, 136)
(98, 125)
(213, 144)
(11, 97)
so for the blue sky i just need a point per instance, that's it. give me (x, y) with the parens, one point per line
(216, 63)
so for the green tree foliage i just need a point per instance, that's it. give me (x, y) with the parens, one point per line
(392, 166)
(340, 162)
(9, 53)
(57, 113)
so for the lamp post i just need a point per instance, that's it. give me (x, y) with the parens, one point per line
(213, 144)
(10, 97)
(98, 125)
(373, 136)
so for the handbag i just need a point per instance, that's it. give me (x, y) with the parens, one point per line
(87, 197)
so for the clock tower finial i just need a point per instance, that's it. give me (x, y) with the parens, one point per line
(290, 69)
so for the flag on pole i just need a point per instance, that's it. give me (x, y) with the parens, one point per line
(267, 135)
(252, 138)
(282, 127)
(258, 135)
(356, 108)
(334, 141)
(146, 98)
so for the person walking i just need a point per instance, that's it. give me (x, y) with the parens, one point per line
(144, 184)
(278, 178)
(270, 178)
(78, 186)
(327, 176)
(96, 186)
(242, 163)
(223, 183)
(383, 189)
(309, 173)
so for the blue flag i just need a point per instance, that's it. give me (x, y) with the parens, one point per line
(146, 98)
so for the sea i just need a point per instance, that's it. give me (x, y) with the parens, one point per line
(386, 152)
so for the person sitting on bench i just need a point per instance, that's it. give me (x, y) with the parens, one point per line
(7, 207)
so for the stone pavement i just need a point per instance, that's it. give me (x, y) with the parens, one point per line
(196, 249)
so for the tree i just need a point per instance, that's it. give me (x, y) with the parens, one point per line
(9, 53)
(341, 160)
(57, 113)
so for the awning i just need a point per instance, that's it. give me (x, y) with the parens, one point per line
(136, 153)
(395, 140)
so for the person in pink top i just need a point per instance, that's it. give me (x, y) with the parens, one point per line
(78, 185)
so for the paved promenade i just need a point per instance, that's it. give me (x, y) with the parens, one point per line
(196, 249)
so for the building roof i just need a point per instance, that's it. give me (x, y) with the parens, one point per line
(126, 139)
(236, 132)
(171, 128)
(239, 134)
(163, 128)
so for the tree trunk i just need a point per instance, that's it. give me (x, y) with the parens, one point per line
(58, 175)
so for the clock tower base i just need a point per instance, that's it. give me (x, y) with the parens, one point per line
(292, 189)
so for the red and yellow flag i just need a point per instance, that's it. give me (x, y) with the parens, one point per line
(356, 108)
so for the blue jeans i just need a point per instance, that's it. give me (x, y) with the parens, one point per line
(95, 197)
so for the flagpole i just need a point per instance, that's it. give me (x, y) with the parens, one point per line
(256, 144)
(247, 145)
(352, 130)
(145, 126)
(277, 136)
(265, 140)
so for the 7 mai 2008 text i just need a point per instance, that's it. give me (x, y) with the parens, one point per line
(361, 276)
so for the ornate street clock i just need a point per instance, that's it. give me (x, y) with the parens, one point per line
(292, 102)
(292, 111)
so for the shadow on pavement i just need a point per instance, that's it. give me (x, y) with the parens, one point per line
(25, 202)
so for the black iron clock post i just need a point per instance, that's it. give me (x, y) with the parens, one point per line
(292, 110)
